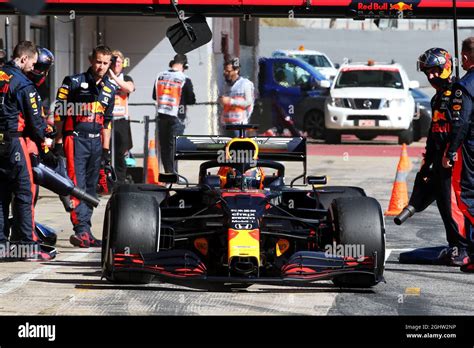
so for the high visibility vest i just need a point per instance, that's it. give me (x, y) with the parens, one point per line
(169, 87)
(121, 102)
(235, 113)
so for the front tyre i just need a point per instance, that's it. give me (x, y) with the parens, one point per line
(131, 225)
(358, 221)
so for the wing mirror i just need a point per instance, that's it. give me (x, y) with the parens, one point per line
(317, 179)
(324, 84)
(413, 84)
(169, 178)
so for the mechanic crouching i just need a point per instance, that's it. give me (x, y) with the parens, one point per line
(437, 65)
(83, 115)
(20, 117)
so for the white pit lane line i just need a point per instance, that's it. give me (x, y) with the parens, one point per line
(389, 251)
(21, 280)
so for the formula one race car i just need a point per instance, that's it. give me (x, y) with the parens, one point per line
(241, 225)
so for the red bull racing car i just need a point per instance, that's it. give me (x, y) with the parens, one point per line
(241, 224)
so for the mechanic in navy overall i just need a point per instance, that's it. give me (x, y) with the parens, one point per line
(437, 64)
(83, 115)
(236, 99)
(172, 90)
(460, 153)
(20, 117)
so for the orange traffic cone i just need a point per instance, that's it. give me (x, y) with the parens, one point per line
(153, 171)
(399, 199)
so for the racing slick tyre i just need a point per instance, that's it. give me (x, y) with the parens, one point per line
(314, 124)
(329, 193)
(359, 221)
(332, 137)
(406, 135)
(131, 225)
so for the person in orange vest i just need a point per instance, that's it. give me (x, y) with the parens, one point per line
(173, 90)
(122, 134)
(237, 97)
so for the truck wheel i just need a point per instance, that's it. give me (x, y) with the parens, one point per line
(358, 221)
(332, 137)
(314, 124)
(416, 130)
(406, 135)
(131, 225)
(366, 137)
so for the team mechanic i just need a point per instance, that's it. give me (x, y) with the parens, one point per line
(460, 152)
(122, 135)
(172, 90)
(437, 65)
(38, 76)
(237, 97)
(20, 117)
(83, 118)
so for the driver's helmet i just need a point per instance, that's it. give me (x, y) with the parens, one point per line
(42, 66)
(436, 57)
(252, 178)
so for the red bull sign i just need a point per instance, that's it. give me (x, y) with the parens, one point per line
(401, 6)
(385, 9)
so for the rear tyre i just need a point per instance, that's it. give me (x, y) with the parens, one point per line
(406, 135)
(314, 124)
(359, 221)
(131, 225)
(333, 137)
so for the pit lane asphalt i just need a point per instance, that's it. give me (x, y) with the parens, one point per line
(71, 284)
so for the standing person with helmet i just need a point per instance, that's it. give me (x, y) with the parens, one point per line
(460, 152)
(237, 97)
(122, 134)
(437, 65)
(83, 117)
(173, 90)
(20, 117)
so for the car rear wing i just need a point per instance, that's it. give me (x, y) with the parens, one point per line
(205, 147)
